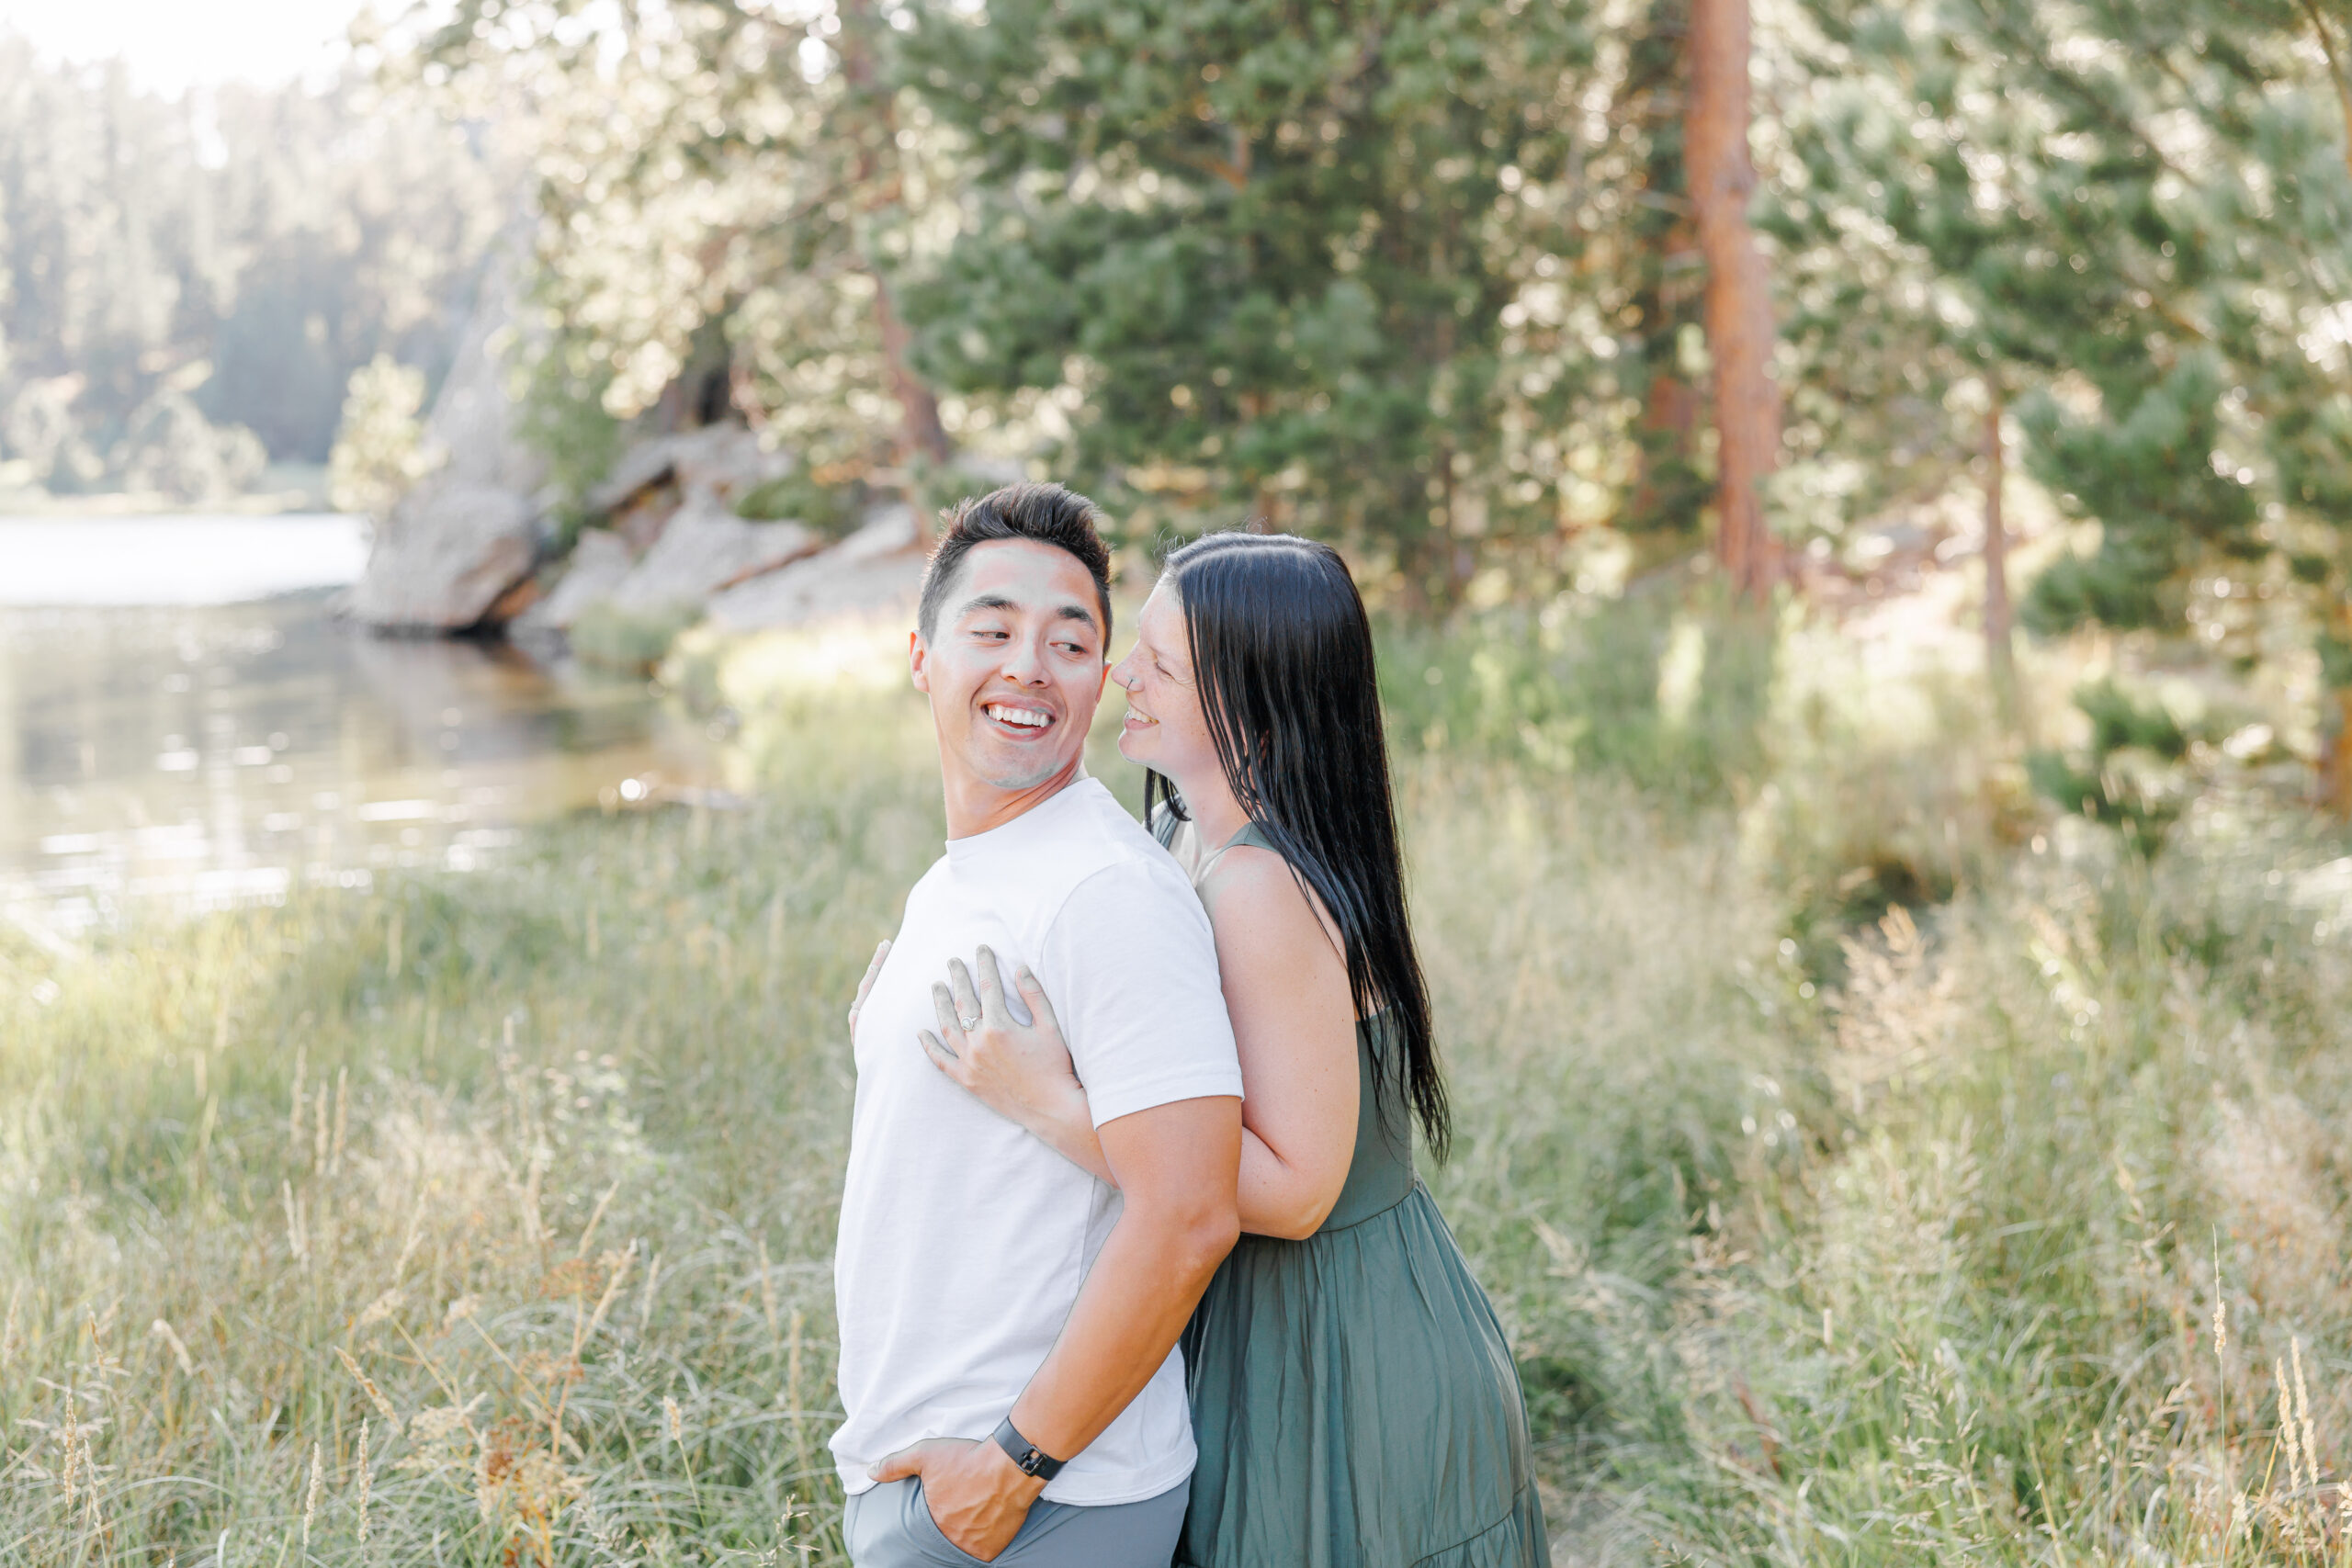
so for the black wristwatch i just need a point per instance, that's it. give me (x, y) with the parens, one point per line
(1026, 1456)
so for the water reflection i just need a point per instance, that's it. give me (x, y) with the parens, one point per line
(202, 756)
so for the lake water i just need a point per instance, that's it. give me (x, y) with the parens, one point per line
(184, 724)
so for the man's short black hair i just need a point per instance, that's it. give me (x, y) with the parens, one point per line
(1045, 513)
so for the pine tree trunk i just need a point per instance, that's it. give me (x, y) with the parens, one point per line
(2335, 759)
(2335, 749)
(1739, 302)
(922, 434)
(2000, 619)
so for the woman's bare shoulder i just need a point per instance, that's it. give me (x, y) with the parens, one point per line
(1254, 890)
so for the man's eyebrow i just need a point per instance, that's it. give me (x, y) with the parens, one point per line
(985, 602)
(1076, 613)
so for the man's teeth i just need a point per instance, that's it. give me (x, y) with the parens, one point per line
(1028, 719)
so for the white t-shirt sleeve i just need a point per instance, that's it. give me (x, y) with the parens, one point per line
(1130, 966)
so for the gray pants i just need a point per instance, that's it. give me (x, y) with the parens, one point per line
(890, 1526)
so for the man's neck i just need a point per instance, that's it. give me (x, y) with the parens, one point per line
(975, 805)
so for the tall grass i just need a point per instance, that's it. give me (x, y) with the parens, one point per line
(487, 1219)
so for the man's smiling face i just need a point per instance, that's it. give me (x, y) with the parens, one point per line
(1014, 667)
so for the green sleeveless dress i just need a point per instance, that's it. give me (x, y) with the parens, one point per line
(1353, 1400)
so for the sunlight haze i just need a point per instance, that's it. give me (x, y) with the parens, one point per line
(170, 46)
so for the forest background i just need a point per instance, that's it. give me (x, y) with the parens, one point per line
(1903, 1071)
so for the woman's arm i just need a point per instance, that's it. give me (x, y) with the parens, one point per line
(1294, 1019)
(1293, 1022)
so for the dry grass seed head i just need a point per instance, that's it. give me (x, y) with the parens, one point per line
(310, 1497)
(164, 1331)
(364, 1478)
(367, 1386)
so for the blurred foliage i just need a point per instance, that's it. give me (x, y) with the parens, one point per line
(1668, 692)
(723, 189)
(629, 641)
(797, 497)
(223, 260)
(379, 446)
(169, 448)
(2127, 776)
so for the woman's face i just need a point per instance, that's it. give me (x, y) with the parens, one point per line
(1165, 729)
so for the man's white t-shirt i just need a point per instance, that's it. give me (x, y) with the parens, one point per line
(964, 1238)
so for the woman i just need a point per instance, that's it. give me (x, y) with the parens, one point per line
(1353, 1397)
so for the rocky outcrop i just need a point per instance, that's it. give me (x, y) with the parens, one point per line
(471, 531)
(722, 460)
(705, 548)
(670, 537)
(451, 551)
(600, 563)
(876, 571)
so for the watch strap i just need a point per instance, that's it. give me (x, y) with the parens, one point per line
(1026, 1456)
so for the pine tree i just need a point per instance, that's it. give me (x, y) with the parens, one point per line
(2132, 220)
(1251, 243)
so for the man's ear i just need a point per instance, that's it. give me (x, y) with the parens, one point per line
(916, 656)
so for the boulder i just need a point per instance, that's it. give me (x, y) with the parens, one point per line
(703, 549)
(469, 531)
(876, 571)
(600, 563)
(724, 460)
(449, 551)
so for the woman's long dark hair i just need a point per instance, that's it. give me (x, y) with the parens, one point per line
(1282, 660)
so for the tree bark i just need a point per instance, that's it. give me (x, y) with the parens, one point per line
(2000, 618)
(1739, 309)
(2335, 745)
(2335, 759)
(920, 431)
(922, 434)
(2335, 749)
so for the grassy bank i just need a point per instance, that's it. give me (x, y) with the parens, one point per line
(1851, 1178)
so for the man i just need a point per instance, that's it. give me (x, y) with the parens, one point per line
(1008, 1321)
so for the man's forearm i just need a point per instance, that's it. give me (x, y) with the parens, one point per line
(1177, 1165)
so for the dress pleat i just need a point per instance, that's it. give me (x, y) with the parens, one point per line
(1353, 1399)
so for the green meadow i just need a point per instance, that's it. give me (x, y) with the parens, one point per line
(1868, 1165)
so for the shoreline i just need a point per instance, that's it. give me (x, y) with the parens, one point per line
(298, 490)
(133, 504)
